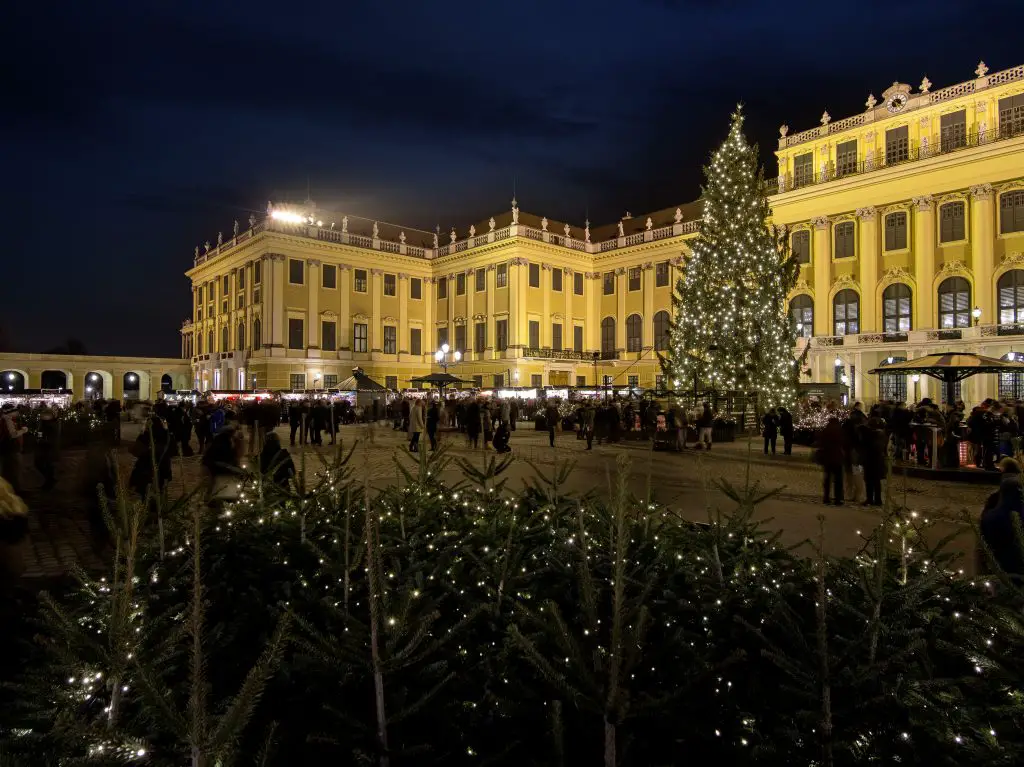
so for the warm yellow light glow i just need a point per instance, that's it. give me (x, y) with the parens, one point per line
(287, 217)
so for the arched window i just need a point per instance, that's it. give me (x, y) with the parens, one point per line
(257, 334)
(241, 336)
(224, 338)
(608, 335)
(634, 333)
(801, 309)
(846, 313)
(1011, 297)
(896, 301)
(955, 303)
(661, 329)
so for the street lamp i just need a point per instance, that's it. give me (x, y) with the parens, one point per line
(445, 356)
(976, 314)
(916, 378)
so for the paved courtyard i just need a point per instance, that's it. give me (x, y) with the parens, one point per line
(60, 533)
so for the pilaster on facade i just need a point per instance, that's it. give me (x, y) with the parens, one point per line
(822, 260)
(924, 258)
(313, 307)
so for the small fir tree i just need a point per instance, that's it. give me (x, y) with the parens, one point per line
(730, 330)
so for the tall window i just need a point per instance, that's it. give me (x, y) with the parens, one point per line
(1011, 212)
(296, 337)
(896, 231)
(634, 278)
(481, 280)
(501, 335)
(328, 335)
(556, 279)
(241, 336)
(801, 245)
(577, 338)
(390, 339)
(896, 308)
(330, 380)
(534, 333)
(480, 331)
(390, 284)
(843, 232)
(951, 222)
(536, 380)
(534, 272)
(661, 274)
(892, 387)
(953, 130)
(556, 336)
(257, 272)
(846, 158)
(499, 380)
(460, 284)
(391, 382)
(224, 341)
(329, 276)
(803, 169)
(359, 280)
(1011, 297)
(257, 334)
(227, 285)
(240, 278)
(442, 287)
(442, 337)
(608, 335)
(1011, 115)
(954, 303)
(897, 145)
(415, 288)
(359, 337)
(634, 333)
(501, 276)
(298, 381)
(295, 271)
(801, 309)
(609, 283)
(209, 342)
(415, 341)
(846, 313)
(460, 338)
(577, 283)
(661, 330)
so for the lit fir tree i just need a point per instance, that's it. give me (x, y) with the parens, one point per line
(731, 331)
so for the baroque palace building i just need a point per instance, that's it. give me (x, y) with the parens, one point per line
(908, 220)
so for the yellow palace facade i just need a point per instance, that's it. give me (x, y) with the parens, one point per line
(908, 219)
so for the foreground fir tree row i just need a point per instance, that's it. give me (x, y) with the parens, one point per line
(430, 623)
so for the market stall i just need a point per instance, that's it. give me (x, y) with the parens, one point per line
(33, 398)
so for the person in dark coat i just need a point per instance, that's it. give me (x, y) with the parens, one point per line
(770, 422)
(152, 447)
(551, 421)
(831, 456)
(295, 423)
(276, 464)
(997, 526)
(433, 418)
(786, 430)
(46, 446)
(472, 415)
(874, 448)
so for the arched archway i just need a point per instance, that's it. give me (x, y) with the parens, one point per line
(54, 379)
(13, 380)
(131, 385)
(166, 383)
(98, 384)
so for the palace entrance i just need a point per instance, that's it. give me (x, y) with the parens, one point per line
(558, 378)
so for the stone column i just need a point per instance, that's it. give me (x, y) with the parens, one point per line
(403, 313)
(470, 324)
(822, 260)
(620, 309)
(924, 262)
(277, 314)
(492, 281)
(648, 285)
(868, 258)
(545, 317)
(344, 307)
(983, 236)
(374, 331)
(313, 308)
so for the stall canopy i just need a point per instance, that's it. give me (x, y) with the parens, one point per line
(359, 381)
(950, 367)
(440, 380)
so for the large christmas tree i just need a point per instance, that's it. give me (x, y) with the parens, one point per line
(731, 331)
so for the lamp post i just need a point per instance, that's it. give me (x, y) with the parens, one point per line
(916, 378)
(442, 357)
(976, 314)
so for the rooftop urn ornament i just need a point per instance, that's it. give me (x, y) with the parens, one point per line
(679, 215)
(544, 223)
(622, 232)
(472, 230)
(981, 70)
(344, 224)
(568, 230)
(586, 231)
(452, 235)
(220, 239)
(252, 221)
(649, 224)
(515, 211)
(826, 118)
(783, 130)
(401, 237)
(491, 223)
(376, 231)
(870, 103)
(925, 85)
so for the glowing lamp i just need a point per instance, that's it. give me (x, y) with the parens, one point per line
(439, 355)
(976, 312)
(888, 360)
(458, 356)
(838, 362)
(915, 378)
(445, 348)
(10, 376)
(287, 217)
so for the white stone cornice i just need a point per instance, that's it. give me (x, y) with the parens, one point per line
(313, 262)
(820, 222)
(868, 213)
(923, 203)
(982, 191)
(329, 315)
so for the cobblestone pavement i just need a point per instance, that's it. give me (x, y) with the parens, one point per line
(60, 533)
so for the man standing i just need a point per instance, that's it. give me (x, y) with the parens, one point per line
(786, 430)
(589, 416)
(770, 421)
(433, 417)
(705, 422)
(416, 423)
(551, 420)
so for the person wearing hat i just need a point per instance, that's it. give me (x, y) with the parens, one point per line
(997, 526)
(11, 436)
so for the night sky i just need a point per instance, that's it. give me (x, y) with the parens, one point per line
(134, 131)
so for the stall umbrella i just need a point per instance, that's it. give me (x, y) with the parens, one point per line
(950, 367)
(440, 380)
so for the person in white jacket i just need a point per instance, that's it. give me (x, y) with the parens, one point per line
(417, 419)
